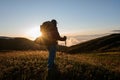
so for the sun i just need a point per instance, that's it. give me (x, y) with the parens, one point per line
(34, 32)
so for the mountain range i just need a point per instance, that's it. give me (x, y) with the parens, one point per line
(101, 44)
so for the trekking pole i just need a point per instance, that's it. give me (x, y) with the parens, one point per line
(65, 42)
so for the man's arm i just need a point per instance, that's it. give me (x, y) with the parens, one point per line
(57, 35)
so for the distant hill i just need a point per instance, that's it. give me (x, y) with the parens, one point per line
(102, 44)
(9, 43)
(19, 43)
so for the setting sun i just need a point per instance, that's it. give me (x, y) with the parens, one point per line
(33, 33)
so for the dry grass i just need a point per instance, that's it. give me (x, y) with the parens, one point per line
(32, 65)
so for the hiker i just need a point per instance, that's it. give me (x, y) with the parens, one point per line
(50, 37)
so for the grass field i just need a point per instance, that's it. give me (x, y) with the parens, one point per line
(32, 65)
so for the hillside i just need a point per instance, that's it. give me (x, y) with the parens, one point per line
(102, 44)
(9, 43)
(19, 43)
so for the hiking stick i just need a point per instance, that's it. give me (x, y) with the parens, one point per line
(65, 42)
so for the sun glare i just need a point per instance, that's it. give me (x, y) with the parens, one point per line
(33, 33)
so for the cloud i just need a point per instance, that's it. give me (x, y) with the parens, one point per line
(76, 39)
(70, 41)
(73, 40)
(115, 30)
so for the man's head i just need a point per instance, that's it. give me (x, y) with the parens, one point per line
(54, 21)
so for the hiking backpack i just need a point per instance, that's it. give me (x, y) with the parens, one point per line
(47, 38)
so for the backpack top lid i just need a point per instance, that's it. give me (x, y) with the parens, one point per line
(45, 26)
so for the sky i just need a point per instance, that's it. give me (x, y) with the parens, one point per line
(22, 18)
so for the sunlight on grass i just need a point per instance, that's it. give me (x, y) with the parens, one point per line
(32, 65)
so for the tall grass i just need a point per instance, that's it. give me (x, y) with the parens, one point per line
(32, 65)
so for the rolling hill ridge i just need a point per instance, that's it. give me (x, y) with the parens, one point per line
(101, 44)
(9, 43)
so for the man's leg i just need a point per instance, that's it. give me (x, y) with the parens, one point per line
(51, 57)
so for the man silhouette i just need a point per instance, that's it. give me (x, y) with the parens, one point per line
(51, 41)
